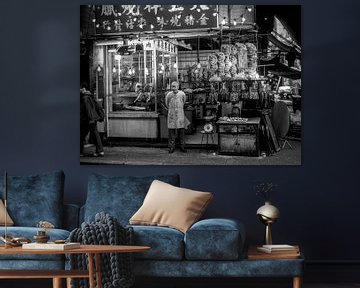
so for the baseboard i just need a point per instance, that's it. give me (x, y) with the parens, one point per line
(332, 271)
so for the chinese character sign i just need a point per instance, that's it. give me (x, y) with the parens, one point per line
(139, 18)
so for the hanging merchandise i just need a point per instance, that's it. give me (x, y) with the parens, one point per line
(234, 95)
(242, 59)
(252, 60)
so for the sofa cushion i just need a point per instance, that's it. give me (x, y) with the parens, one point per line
(29, 232)
(9, 221)
(120, 196)
(170, 206)
(214, 239)
(165, 243)
(35, 198)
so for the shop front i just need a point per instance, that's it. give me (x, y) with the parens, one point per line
(213, 52)
(134, 75)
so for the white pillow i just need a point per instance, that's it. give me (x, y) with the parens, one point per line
(170, 206)
(9, 221)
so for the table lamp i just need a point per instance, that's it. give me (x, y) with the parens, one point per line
(268, 214)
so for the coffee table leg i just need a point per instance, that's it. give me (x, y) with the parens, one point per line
(91, 270)
(98, 270)
(57, 283)
(297, 282)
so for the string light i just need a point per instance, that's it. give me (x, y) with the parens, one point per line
(223, 22)
(93, 20)
(98, 68)
(114, 69)
(152, 26)
(249, 8)
(235, 22)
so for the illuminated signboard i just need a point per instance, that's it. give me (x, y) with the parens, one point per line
(141, 18)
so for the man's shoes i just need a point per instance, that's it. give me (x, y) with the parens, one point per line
(183, 149)
(171, 150)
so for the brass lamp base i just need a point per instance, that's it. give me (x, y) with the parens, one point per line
(268, 238)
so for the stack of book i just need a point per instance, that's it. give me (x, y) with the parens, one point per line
(279, 249)
(51, 246)
(282, 251)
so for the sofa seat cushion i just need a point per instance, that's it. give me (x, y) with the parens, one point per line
(121, 196)
(212, 269)
(35, 198)
(214, 239)
(166, 243)
(29, 232)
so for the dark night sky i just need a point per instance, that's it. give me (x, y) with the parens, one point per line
(290, 14)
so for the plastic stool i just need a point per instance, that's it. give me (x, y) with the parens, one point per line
(207, 134)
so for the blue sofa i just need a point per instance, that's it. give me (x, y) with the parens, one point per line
(210, 248)
(32, 199)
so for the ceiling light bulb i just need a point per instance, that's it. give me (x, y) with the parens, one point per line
(249, 8)
(93, 20)
(198, 65)
(114, 69)
(152, 26)
(198, 10)
(98, 69)
(223, 21)
(235, 22)
(242, 19)
(214, 14)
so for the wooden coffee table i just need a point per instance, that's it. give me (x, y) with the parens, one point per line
(57, 275)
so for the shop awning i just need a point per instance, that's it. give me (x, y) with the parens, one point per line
(274, 66)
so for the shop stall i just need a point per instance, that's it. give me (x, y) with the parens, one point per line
(211, 50)
(137, 74)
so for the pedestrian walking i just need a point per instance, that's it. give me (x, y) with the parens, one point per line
(174, 102)
(88, 122)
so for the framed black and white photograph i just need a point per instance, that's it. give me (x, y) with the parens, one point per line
(190, 84)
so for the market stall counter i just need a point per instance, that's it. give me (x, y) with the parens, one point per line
(239, 136)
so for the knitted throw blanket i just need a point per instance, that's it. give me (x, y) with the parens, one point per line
(116, 268)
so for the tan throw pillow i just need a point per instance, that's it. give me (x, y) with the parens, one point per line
(9, 221)
(170, 206)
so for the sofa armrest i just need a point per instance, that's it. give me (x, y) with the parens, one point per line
(215, 239)
(71, 216)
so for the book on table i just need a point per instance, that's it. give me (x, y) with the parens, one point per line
(51, 246)
(278, 249)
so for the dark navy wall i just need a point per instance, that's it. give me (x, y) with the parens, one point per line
(39, 82)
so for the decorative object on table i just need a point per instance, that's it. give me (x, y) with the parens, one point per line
(11, 241)
(41, 236)
(268, 213)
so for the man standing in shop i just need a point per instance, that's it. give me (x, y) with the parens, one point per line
(175, 101)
